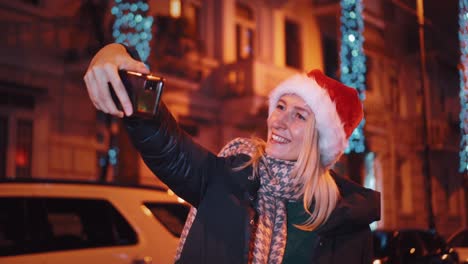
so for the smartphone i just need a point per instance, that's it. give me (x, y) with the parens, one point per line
(144, 91)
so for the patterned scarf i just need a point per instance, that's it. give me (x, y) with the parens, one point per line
(276, 188)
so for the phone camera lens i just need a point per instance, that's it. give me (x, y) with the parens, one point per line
(148, 85)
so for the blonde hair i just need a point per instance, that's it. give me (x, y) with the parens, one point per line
(317, 184)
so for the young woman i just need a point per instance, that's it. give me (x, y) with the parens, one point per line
(273, 201)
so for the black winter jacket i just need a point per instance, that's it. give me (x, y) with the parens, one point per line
(225, 198)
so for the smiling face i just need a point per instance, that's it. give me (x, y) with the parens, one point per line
(287, 125)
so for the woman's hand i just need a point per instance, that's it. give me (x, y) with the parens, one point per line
(103, 70)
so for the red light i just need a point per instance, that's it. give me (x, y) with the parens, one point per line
(21, 158)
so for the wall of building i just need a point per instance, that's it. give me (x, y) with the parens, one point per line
(216, 97)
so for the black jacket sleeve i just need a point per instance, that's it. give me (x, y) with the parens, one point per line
(172, 154)
(357, 208)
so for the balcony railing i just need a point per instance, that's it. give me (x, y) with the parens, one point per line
(41, 37)
(249, 77)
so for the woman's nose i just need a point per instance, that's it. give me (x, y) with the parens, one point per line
(281, 120)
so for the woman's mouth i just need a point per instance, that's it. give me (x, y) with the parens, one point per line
(279, 139)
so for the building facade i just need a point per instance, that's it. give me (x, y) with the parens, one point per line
(220, 60)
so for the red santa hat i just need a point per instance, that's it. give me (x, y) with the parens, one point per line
(336, 107)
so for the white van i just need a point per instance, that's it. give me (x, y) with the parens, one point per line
(73, 222)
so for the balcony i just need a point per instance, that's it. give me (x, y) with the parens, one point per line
(191, 66)
(178, 52)
(249, 77)
(38, 40)
(243, 87)
(49, 36)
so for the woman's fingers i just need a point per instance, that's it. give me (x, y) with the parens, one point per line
(104, 75)
(93, 90)
(120, 91)
(97, 81)
(103, 70)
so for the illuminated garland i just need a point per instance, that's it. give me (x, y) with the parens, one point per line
(353, 61)
(132, 27)
(463, 36)
(370, 181)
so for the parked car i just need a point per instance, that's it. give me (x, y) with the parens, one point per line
(411, 246)
(63, 222)
(459, 241)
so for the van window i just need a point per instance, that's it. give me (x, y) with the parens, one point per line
(12, 226)
(171, 215)
(33, 225)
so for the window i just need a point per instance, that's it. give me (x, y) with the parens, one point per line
(23, 153)
(17, 105)
(3, 145)
(330, 55)
(245, 31)
(244, 42)
(172, 216)
(12, 226)
(175, 8)
(192, 14)
(293, 44)
(32, 225)
(16, 144)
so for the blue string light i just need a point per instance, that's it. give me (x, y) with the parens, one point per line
(370, 180)
(112, 154)
(132, 27)
(353, 61)
(463, 37)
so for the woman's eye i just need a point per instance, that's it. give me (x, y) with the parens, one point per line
(280, 107)
(299, 116)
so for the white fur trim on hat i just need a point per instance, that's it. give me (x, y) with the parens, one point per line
(332, 137)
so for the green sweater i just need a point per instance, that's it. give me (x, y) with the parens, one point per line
(299, 243)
